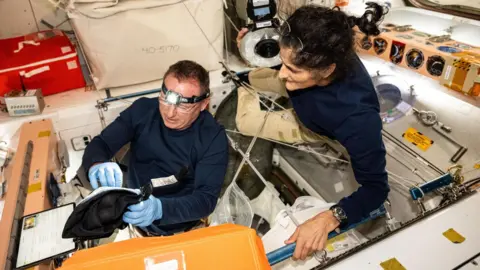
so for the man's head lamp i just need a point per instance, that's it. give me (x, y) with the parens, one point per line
(175, 98)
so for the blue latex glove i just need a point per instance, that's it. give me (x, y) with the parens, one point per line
(144, 213)
(108, 174)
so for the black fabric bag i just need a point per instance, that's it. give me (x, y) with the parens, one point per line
(100, 214)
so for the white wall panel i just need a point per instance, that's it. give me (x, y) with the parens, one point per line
(21, 17)
(16, 18)
(43, 9)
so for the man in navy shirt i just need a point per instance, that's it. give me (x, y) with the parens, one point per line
(176, 145)
(333, 96)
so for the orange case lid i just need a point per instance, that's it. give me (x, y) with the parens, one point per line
(226, 246)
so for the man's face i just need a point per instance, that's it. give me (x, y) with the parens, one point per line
(181, 116)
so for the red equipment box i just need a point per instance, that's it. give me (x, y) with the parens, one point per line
(45, 60)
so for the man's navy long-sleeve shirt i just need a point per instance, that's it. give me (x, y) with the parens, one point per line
(157, 151)
(347, 110)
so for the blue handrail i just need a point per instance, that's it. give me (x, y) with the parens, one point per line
(137, 94)
(286, 252)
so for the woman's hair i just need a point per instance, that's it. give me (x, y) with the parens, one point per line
(321, 36)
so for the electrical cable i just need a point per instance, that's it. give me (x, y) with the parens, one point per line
(410, 161)
(414, 170)
(472, 182)
(231, 22)
(250, 146)
(258, 92)
(400, 183)
(400, 189)
(310, 150)
(399, 143)
(225, 39)
(303, 149)
(405, 180)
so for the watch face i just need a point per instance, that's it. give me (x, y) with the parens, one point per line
(339, 213)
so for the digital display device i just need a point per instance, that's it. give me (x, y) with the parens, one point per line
(41, 236)
(261, 11)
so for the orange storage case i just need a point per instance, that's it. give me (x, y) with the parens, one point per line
(226, 246)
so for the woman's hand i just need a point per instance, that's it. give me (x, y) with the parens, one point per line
(240, 35)
(312, 235)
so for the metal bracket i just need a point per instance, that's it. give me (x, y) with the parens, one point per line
(392, 222)
(228, 74)
(63, 155)
(421, 206)
(102, 105)
(412, 90)
(457, 174)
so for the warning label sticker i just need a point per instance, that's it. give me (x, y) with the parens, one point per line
(417, 138)
(392, 264)
(454, 236)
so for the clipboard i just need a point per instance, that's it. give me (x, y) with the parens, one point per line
(40, 237)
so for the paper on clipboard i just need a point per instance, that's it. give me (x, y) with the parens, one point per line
(41, 236)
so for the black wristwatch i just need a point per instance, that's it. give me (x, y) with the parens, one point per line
(339, 214)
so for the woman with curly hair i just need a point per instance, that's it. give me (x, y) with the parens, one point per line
(333, 96)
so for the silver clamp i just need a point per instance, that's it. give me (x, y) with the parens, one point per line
(428, 118)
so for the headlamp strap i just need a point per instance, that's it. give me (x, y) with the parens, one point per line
(178, 98)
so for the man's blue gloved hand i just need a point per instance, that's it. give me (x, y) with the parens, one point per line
(144, 213)
(108, 174)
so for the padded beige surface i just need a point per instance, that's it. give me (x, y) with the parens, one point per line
(138, 45)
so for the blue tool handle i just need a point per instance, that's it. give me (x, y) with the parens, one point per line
(286, 252)
(281, 254)
(442, 181)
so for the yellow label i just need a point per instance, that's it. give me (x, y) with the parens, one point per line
(392, 264)
(417, 138)
(330, 247)
(34, 187)
(476, 166)
(454, 236)
(45, 133)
